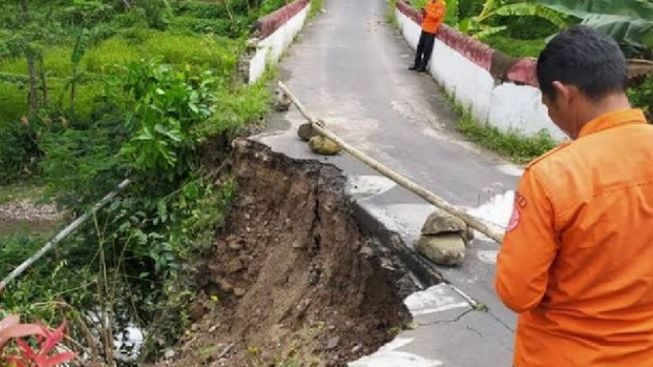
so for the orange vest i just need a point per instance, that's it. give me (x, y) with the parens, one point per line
(434, 11)
(577, 259)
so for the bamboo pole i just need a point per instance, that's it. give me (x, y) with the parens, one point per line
(430, 197)
(63, 234)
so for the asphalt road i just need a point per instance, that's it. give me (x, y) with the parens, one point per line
(350, 68)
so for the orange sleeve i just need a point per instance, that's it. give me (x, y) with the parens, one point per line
(529, 247)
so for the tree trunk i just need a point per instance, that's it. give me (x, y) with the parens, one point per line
(44, 84)
(32, 94)
(73, 94)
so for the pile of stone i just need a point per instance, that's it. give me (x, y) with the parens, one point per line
(444, 238)
(318, 143)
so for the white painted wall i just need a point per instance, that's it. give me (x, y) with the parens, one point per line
(270, 49)
(507, 106)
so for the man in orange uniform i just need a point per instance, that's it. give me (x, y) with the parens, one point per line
(432, 17)
(577, 258)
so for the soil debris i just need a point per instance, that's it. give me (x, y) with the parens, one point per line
(294, 281)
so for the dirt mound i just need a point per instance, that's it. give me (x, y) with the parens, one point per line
(294, 281)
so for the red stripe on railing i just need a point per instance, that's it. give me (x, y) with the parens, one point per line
(268, 24)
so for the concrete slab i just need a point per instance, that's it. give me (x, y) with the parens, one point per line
(447, 332)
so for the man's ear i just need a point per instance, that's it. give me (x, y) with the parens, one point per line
(564, 93)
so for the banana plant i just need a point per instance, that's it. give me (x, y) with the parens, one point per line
(629, 22)
(478, 25)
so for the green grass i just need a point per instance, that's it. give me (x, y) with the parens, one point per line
(28, 189)
(316, 7)
(511, 145)
(418, 4)
(13, 103)
(57, 63)
(390, 16)
(237, 108)
(114, 51)
(516, 47)
(218, 53)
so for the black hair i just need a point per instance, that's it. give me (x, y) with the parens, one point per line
(583, 57)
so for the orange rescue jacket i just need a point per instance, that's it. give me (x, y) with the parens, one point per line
(434, 11)
(577, 259)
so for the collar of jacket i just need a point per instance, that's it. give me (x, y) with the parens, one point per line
(613, 119)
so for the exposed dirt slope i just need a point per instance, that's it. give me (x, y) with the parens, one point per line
(297, 281)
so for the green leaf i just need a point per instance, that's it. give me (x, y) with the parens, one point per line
(81, 45)
(629, 22)
(488, 31)
(525, 9)
(634, 9)
(488, 7)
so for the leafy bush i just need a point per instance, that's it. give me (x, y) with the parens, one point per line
(200, 9)
(168, 104)
(642, 96)
(158, 13)
(516, 47)
(86, 13)
(469, 8)
(269, 6)
(16, 151)
(528, 27)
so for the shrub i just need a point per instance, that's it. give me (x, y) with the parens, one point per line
(167, 105)
(641, 96)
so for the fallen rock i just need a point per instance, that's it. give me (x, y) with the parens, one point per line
(333, 343)
(239, 292)
(323, 146)
(169, 354)
(282, 101)
(197, 310)
(225, 285)
(440, 222)
(235, 266)
(443, 249)
(306, 131)
(236, 246)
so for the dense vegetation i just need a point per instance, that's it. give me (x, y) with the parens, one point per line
(92, 92)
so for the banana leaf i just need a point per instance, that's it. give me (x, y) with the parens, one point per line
(629, 22)
(642, 9)
(526, 9)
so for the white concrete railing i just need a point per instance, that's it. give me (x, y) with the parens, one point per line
(278, 32)
(465, 75)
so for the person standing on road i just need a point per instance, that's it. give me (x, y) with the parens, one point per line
(432, 16)
(577, 258)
